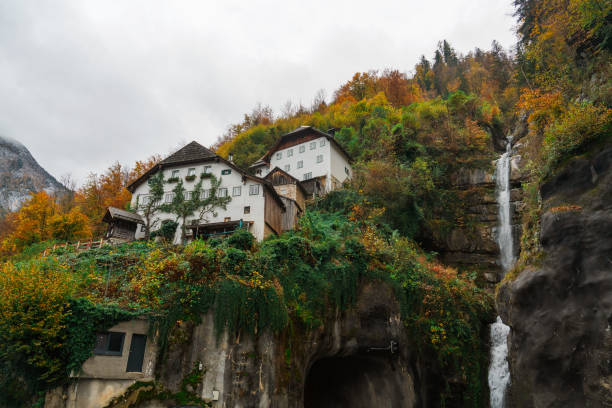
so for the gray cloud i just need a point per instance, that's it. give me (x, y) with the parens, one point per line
(86, 83)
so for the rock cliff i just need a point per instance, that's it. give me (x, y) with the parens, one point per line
(560, 309)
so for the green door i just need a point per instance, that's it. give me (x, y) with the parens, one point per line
(137, 350)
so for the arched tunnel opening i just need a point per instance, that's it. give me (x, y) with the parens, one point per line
(361, 380)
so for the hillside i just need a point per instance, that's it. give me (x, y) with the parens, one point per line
(21, 175)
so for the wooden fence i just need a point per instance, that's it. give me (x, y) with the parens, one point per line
(79, 246)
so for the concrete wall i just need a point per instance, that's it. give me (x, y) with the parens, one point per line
(235, 208)
(103, 378)
(113, 367)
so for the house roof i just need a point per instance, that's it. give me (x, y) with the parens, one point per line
(279, 170)
(189, 153)
(117, 213)
(292, 138)
(194, 153)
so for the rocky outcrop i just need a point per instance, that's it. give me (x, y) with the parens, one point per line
(560, 310)
(20, 175)
(347, 362)
(471, 243)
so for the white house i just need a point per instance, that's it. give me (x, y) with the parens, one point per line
(255, 204)
(311, 156)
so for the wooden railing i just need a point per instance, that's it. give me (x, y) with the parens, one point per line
(79, 246)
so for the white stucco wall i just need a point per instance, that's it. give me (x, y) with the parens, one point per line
(235, 208)
(338, 164)
(333, 163)
(308, 157)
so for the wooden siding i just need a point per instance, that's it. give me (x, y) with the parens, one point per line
(291, 215)
(121, 229)
(272, 213)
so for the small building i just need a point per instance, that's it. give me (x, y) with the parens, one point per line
(122, 356)
(122, 224)
(311, 156)
(255, 204)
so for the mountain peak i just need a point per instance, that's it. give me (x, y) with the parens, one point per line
(21, 175)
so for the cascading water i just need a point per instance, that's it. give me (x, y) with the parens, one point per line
(499, 372)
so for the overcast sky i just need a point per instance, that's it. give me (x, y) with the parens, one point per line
(86, 83)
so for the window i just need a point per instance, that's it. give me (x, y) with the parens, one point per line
(226, 172)
(289, 152)
(279, 155)
(307, 176)
(287, 167)
(320, 158)
(175, 173)
(227, 219)
(247, 209)
(254, 189)
(222, 192)
(188, 195)
(205, 194)
(144, 199)
(302, 148)
(237, 191)
(322, 142)
(191, 172)
(313, 145)
(169, 197)
(346, 170)
(206, 169)
(258, 171)
(109, 343)
(300, 164)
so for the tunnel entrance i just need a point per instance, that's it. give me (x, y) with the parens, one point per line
(358, 381)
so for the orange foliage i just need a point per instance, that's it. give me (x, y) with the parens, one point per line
(40, 219)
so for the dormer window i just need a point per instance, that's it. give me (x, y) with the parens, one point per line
(279, 155)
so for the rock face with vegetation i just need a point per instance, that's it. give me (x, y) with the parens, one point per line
(560, 307)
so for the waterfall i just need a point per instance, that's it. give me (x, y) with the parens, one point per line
(499, 372)
(504, 233)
